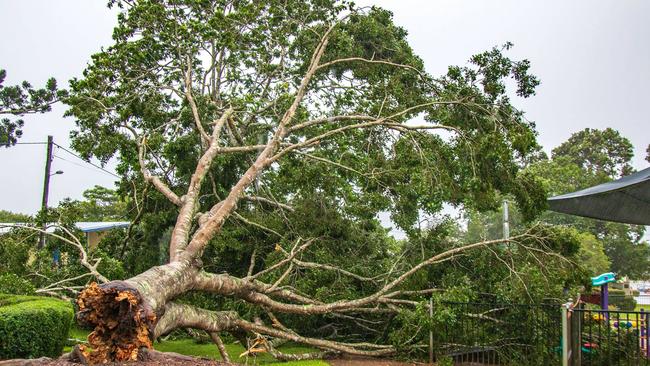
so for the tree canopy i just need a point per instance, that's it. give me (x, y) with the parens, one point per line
(591, 157)
(19, 100)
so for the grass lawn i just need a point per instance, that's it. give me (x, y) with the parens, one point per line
(645, 308)
(190, 348)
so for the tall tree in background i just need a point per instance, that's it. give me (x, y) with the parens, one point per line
(296, 118)
(590, 157)
(22, 99)
(601, 153)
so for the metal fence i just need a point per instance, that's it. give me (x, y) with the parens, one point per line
(609, 338)
(502, 334)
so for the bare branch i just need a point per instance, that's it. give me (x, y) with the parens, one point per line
(160, 186)
(190, 99)
(72, 240)
(222, 348)
(369, 61)
(180, 234)
(268, 201)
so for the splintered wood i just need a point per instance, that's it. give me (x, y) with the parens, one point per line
(121, 323)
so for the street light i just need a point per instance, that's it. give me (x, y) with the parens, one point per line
(57, 172)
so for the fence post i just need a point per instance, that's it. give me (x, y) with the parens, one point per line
(566, 349)
(431, 331)
(645, 330)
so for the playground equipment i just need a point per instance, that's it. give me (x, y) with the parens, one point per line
(603, 280)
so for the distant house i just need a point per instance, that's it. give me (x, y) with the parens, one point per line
(94, 231)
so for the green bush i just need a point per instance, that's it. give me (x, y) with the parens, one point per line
(32, 326)
(12, 284)
(625, 303)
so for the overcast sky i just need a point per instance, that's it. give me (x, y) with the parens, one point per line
(593, 58)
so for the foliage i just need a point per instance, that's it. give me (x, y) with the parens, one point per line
(8, 216)
(516, 333)
(32, 327)
(15, 251)
(588, 158)
(18, 100)
(526, 279)
(12, 284)
(604, 153)
(99, 204)
(592, 255)
(622, 302)
(107, 97)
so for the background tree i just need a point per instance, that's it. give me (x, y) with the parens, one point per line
(272, 134)
(18, 100)
(8, 216)
(588, 158)
(601, 153)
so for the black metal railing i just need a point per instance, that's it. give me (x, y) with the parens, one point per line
(502, 334)
(610, 338)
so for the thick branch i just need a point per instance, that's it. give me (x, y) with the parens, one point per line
(181, 230)
(181, 315)
(214, 223)
(249, 293)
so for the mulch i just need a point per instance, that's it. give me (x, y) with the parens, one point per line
(367, 361)
(174, 359)
(154, 358)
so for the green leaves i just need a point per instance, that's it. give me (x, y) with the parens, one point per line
(604, 153)
(18, 100)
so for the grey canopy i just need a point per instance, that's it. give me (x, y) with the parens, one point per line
(625, 200)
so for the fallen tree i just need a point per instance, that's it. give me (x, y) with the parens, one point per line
(247, 90)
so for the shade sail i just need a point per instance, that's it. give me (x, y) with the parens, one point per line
(626, 200)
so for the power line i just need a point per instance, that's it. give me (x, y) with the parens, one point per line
(85, 161)
(73, 163)
(30, 143)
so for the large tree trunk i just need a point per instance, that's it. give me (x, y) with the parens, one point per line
(124, 314)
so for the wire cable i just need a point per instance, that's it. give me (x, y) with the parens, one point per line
(30, 143)
(85, 161)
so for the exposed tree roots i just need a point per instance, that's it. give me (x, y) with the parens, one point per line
(122, 322)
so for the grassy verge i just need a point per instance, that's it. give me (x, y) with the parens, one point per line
(190, 348)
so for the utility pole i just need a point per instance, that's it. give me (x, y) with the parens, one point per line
(46, 190)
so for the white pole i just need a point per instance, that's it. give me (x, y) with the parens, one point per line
(565, 337)
(431, 331)
(506, 224)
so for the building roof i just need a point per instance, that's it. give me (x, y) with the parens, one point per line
(85, 226)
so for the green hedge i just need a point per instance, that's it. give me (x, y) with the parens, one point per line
(625, 303)
(32, 326)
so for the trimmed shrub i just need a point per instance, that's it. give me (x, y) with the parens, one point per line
(625, 303)
(32, 326)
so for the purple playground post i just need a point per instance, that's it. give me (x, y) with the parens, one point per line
(604, 299)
